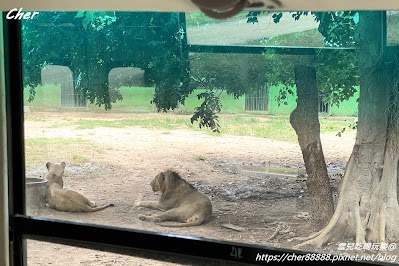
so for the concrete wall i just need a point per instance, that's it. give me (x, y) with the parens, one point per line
(345, 108)
(281, 109)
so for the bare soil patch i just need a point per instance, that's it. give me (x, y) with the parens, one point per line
(132, 156)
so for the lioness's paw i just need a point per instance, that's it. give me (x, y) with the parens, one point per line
(139, 205)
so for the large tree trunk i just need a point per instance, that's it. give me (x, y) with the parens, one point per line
(368, 207)
(305, 121)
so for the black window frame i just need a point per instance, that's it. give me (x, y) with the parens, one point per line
(118, 240)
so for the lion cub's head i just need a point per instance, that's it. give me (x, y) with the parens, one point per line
(55, 172)
(167, 181)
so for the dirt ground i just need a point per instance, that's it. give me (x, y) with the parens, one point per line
(132, 156)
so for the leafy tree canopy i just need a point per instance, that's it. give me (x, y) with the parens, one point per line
(337, 74)
(92, 43)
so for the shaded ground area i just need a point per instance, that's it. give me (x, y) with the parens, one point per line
(123, 161)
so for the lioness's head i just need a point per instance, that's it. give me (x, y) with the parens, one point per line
(55, 172)
(166, 181)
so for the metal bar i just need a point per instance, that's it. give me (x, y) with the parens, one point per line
(15, 136)
(183, 41)
(384, 28)
(266, 97)
(244, 49)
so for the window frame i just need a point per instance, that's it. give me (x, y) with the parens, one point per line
(118, 240)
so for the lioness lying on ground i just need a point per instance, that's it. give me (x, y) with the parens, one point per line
(180, 201)
(66, 200)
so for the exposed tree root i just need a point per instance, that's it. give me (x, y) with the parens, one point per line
(368, 217)
(308, 237)
(320, 238)
(279, 230)
(274, 234)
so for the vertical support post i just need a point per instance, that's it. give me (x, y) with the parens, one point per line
(4, 225)
(183, 42)
(384, 27)
(15, 133)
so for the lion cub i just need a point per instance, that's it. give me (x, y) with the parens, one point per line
(180, 201)
(66, 200)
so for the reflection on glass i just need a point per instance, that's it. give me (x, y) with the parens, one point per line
(202, 30)
(392, 27)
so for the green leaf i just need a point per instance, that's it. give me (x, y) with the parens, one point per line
(85, 22)
(356, 18)
(80, 14)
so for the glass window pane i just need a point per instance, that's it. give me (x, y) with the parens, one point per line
(113, 100)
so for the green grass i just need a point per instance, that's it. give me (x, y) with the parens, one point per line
(38, 151)
(80, 159)
(35, 119)
(135, 99)
(274, 127)
(228, 102)
(198, 158)
(304, 38)
(333, 125)
(261, 126)
(153, 123)
(50, 141)
(47, 97)
(270, 127)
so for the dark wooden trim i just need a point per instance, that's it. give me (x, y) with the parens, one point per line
(140, 243)
(15, 133)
